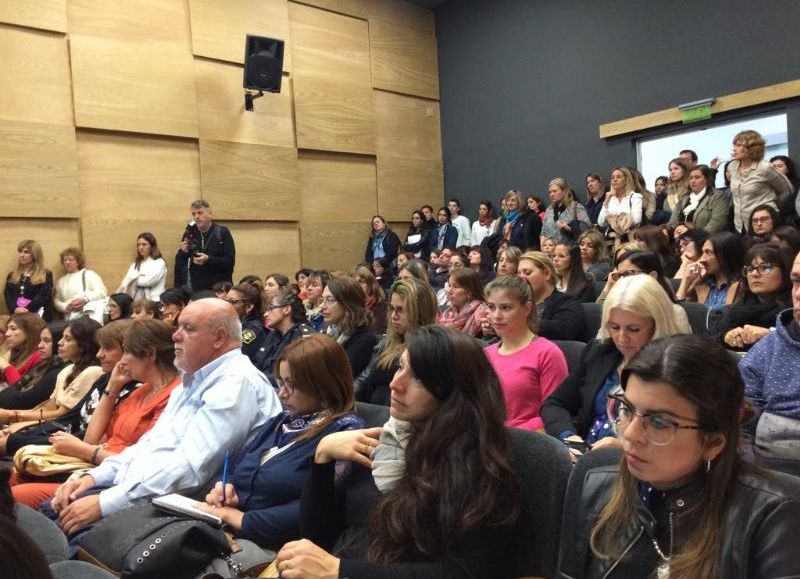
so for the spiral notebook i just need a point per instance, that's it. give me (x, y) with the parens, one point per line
(181, 505)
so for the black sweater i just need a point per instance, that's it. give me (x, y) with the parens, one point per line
(563, 318)
(40, 294)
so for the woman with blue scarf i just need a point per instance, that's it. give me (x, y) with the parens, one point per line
(520, 227)
(382, 242)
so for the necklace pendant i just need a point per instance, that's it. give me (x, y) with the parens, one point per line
(662, 571)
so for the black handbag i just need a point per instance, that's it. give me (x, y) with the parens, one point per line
(143, 542)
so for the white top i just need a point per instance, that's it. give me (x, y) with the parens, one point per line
(481, 232)
(70, 286)
(631, 203)
(148, 282)
(461, 224)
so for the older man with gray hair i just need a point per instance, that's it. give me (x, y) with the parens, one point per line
(223, 401)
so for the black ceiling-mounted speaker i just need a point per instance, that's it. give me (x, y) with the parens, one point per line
(263, 63)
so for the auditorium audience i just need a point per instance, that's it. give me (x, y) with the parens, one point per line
(565, 219)
(753, 180)
(571, 277)
(519, 226)
(528, 366)
(450, 511)
(79, 291)
(382, 242)
(29, 288)
(412, 305)
(634, 313)
(146, 277)
(347, 320)
(680, 502)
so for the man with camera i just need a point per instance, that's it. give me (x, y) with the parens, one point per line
(207, 253)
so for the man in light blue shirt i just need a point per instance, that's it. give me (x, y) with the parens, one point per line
(222, 403)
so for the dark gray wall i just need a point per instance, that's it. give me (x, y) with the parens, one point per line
(525, 84)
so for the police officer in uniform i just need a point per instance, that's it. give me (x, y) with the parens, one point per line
(246, 300)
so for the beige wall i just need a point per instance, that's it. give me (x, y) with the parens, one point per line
(115, 115)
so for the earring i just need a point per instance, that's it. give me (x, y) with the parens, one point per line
(708, 466)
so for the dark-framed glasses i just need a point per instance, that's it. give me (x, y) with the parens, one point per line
(657, 428)
(287, 385)
(764, 268)
(234, 301)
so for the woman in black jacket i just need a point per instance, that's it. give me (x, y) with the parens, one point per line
(681, 504)
(382, 242)
(418, 237)
(29, 288)
(347, 320)
(520, 226)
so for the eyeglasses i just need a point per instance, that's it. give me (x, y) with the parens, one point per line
(764, 268)
(657, 428)
(615, 275)
(287, 385)
(761, 219)
(276, 307)
(234, 301)
(396, 311)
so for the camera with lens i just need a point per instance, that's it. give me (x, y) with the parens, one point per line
(192, 238)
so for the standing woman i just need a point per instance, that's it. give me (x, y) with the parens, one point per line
(79, 291)
(704, 207)
(467, 309)
(595, 192)
(29, 288)
(753, 180)
(486, 224)
(622, 209)
(594, 255)
(529, 367)
(147, 276)
(678, 186)
(413, 305)
(536, 205)
(348, 320)
(376, 298)
(37, 383)
(417, 241)
(715, 279)
(520, 226)
(565, 218)
(382, 242)
(443, 235)
(680, 504)
(571, 277)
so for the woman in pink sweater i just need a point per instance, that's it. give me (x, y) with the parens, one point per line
(530, 367)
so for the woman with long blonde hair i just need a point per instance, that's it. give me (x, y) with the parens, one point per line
(29, 288)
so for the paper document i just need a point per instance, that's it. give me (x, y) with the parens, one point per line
(180, 505)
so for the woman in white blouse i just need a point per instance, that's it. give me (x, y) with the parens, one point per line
(79, 291)
(147, 276)
(486, 223)
(622, 208)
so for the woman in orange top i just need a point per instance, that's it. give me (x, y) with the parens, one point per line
(149, 358)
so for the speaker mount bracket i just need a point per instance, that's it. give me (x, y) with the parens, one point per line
(249, 97)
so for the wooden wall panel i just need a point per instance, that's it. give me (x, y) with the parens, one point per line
(39, 170)
(262, 248)
(407, 184)
(406, 126)
(402, 13)
(143, 87)
(220, 104)
(53, 235)
(357, 8)
(333, 116)
(131, 184)
(34, 76)
(334, 245)
(133, 20)
(244, 181)
(219, 27)
(329, 46)
(45, 14)
(336, 187)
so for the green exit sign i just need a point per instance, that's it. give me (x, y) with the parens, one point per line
(700, 113)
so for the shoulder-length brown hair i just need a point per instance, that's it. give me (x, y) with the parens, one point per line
(32, 326)
(319, 367)
(352, 299)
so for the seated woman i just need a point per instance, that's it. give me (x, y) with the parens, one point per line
(120, 307)
(286, 315)
(146, 277)
(690, 248)
(37, 384)
(412, 305)
(144, 310)
(680, 503)
(652, 238)
(414, 268)
(635, 312)
(529, 367)
(549, 247)
(273, 283)
(508, 260)
(571, 277)
(376, 298)
(467, 308)
(480, 259)
(78, 345)
(148, 358)
(714, 280)
(262, 500)
(594, 255)
(246, 300)
(317, 281)
(560, 315)
(765, 291)
(29, 288)
(451, 511)
(23, 334)
(348, 320)
(301, 282)
(79, 291)
(172, 301)
(384, 272)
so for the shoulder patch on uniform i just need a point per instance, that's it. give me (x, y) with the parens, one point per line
(248, 336)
